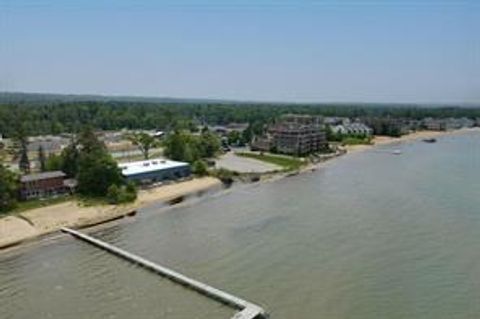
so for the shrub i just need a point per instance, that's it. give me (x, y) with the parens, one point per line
(122, 194)
(200, 168)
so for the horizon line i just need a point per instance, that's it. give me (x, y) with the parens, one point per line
(239, 100)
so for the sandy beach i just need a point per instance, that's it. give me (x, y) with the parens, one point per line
(28, 225)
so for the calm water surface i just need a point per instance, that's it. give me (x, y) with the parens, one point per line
(370, 236)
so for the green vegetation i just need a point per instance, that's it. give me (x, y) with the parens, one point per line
(121, 194)
(87, 160)
(54, 162)
(356, 140)
(183, 146)
(8, 189)
(42, 159)
(288, 163)
(56, 115)
(200, 168)
(144, 142)
(225, 175)
(37, 203)
(96, 169)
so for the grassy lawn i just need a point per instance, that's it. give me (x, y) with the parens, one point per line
(37, 203)
(356, 141)
(288, 163)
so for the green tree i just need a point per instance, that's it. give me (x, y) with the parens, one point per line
(8, 189)
(144, 142)
(24, 163)
(54, 163)
(97, 170)
(180, 146)
(68, 159)
(19, 148)
(209, 144)
(121, 194)
(200, 168)
(42, 159)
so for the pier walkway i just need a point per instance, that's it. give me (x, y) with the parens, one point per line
(246, 310)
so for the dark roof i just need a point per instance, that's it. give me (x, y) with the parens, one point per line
(40, 176)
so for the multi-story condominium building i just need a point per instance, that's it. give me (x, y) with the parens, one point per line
(298, 134)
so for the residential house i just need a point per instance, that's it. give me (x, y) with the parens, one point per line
(352, 129)
(42, 185)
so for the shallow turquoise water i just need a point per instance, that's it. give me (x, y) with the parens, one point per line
(371, 235)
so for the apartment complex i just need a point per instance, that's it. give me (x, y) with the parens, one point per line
(298, 135)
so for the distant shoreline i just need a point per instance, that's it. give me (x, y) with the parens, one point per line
(379, 141)
(415, 136)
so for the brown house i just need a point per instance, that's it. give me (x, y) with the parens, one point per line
(42, 185)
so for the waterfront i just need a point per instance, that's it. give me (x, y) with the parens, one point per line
(370, 235)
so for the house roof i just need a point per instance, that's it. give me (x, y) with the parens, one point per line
(41, 176)
(153, 165)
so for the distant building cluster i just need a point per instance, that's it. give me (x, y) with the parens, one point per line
(445, 124)
(294, 135)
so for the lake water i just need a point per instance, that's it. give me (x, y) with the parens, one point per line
(370, 236)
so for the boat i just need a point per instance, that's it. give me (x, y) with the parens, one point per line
(397, 152)
(430, 140)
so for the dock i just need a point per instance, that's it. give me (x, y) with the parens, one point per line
(245, 309)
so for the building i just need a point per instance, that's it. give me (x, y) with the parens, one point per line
(42, 185)
(434, 124)
(445, 124)
(155, 170)
(298, 134)
(261, 144)
(352, 129)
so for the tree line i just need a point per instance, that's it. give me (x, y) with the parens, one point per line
(58, 117)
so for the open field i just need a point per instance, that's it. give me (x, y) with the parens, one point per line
(242, 164)
(286, 162)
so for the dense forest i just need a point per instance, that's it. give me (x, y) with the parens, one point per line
(53, 116)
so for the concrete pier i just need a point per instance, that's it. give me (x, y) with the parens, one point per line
(246, 310)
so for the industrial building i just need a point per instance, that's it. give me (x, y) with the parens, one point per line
(154, 171)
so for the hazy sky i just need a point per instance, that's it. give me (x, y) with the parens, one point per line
(378, 51)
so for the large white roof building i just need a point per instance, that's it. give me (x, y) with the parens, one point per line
(154, 170)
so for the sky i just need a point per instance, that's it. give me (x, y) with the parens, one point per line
(288, 51)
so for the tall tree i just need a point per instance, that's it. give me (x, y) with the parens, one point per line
(144, 142)
(69, 159)
(19, 148)
(8, 189)
(42, 159)
(97, 170)
(24, 163)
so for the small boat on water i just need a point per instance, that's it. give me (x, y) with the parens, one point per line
(397, 152)
(430, 140)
